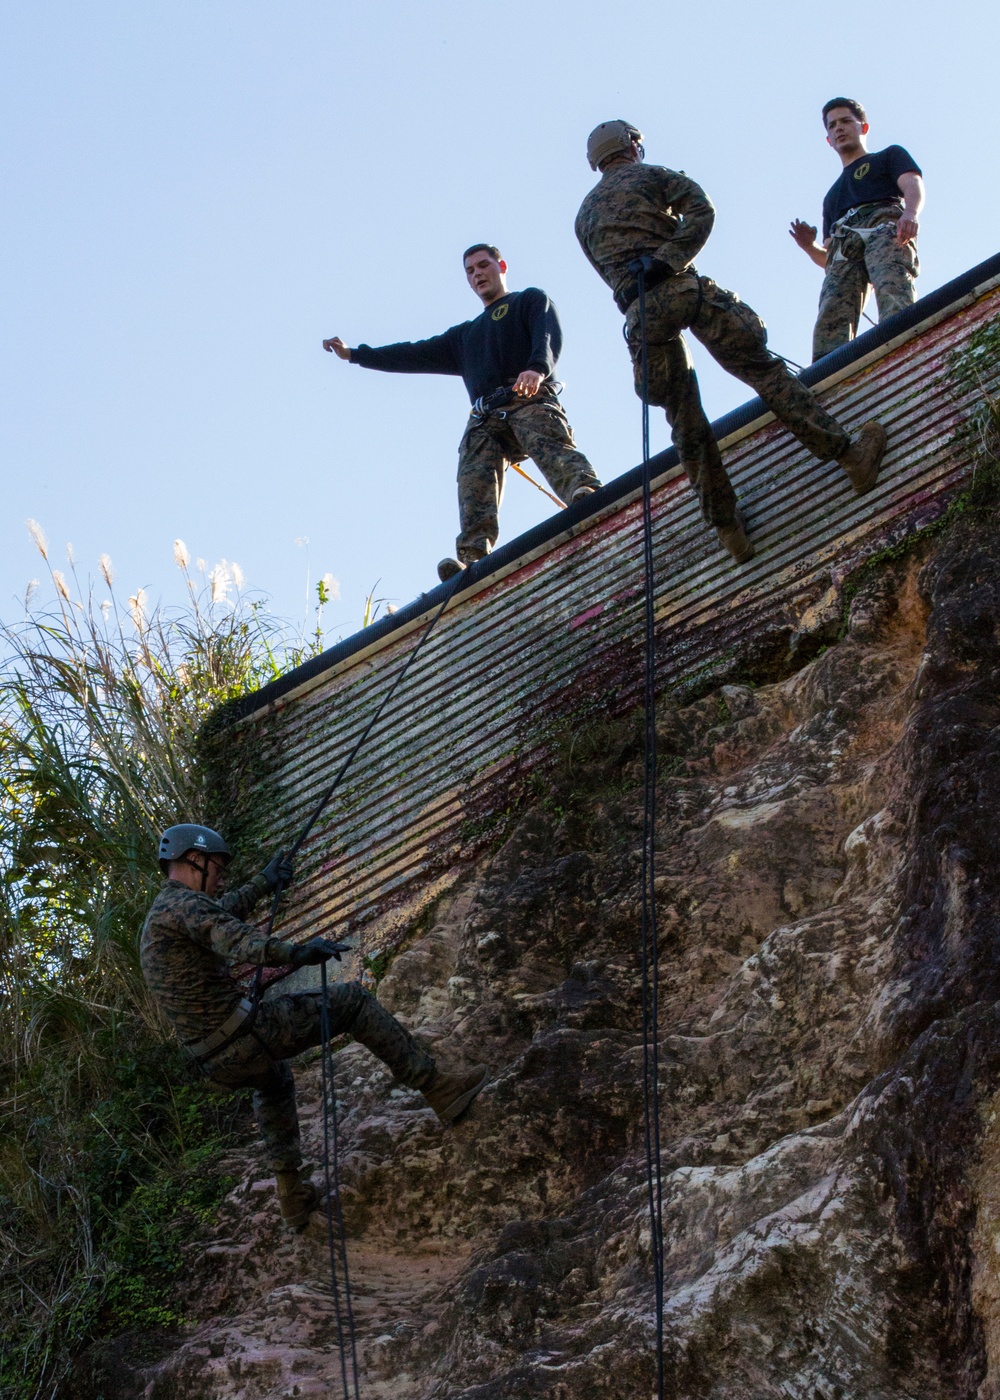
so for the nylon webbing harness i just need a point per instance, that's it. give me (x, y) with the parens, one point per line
(650, 950)
(336, 1235)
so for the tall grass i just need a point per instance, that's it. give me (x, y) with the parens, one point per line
(101, 701)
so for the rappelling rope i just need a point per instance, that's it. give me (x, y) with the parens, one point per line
(650, 950)
(336, 1234)
(317, 811)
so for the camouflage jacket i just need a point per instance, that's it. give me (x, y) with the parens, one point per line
(188, 944)
(638, 210)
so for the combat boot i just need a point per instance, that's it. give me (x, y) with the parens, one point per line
(581, 493)
(735, 539)
(863, 458)
(450, 1094)
(448, 568)
(298, 1197)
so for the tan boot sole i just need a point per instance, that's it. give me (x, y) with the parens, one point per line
(735, 541)
(454, 1110)
(297, 1207)
(864, 476)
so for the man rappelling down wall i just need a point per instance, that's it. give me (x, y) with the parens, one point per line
(191, 939)
(506, 357)
(646, 219)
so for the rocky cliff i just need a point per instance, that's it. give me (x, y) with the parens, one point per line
(827, 883)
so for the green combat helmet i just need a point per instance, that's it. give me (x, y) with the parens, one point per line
(609, 139)
(177, 840)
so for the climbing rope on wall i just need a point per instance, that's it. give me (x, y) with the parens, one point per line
(336, 1234)
(650, 948)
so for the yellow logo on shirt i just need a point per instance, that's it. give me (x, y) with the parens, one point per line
(501, 311)
(862, 170)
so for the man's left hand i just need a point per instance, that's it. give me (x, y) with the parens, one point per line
(906, 230)
(279, 871)
(528, 383)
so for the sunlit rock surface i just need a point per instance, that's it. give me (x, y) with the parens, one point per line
(827, 885)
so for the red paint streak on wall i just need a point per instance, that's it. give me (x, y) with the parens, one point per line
(583, 617)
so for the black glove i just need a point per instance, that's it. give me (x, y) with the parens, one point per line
(317, 950)
(647, 264)
(279, 871)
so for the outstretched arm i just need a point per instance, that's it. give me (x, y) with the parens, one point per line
(805, 236)
(434, 356)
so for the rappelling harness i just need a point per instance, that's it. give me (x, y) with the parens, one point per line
(238, 1024)
(492, 406)
(842, 230)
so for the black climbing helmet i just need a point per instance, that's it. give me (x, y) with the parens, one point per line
(176, 841)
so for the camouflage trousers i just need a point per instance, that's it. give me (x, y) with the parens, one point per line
(736, 337)
(853, 265)
(536, 428)
(285, 1026)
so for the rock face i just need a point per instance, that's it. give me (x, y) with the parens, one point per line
(827, 883)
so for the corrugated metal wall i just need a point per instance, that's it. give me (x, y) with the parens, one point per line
(554, 631)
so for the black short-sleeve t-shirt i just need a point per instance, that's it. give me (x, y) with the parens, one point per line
(871, 177)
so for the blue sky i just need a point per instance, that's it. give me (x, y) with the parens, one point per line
(198, 193)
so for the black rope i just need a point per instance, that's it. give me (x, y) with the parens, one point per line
(317, 812)
(336, 1235)
(650, 950)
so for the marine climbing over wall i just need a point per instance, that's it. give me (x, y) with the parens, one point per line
(194, 935)
(648, 218)
(507, 358)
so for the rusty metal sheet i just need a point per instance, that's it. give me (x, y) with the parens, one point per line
(553, 630)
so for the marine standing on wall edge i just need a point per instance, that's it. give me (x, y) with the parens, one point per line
(648, 213)
(190, 940)
(506, 357)
(870, 222)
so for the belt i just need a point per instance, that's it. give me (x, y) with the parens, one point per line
(492, 404)
(628, 294)
(489, 403)
(235, 1025)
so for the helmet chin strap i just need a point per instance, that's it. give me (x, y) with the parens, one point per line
(202, 869)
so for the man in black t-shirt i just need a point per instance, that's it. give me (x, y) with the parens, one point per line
(512, 346)
(870, 220)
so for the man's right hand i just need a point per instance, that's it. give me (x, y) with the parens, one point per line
(317, 950)
(338, 347)
(804, 234)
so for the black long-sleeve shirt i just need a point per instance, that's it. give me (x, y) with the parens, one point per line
(519, 331)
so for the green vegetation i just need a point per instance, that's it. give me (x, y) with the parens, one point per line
(110, 1145)
(973, 369)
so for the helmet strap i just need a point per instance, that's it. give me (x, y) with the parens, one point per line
(202, 869)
